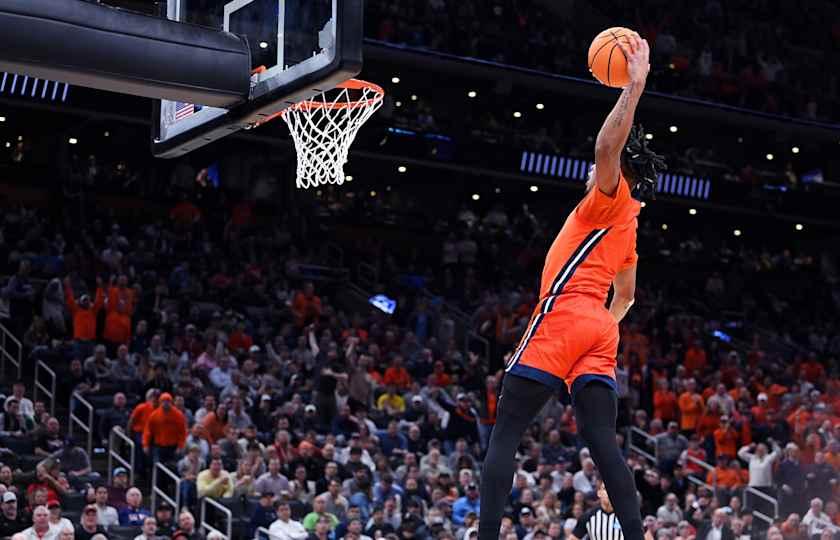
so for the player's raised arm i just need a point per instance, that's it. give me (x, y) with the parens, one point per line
(624, 294)
(616, 128)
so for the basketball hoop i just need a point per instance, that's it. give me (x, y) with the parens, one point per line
(324, 127)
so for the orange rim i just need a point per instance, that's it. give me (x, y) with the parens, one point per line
(351, 84)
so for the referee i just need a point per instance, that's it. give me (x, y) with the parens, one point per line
(600, 523)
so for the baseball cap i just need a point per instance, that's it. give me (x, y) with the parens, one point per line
(89, 508)
(54, 503)
(310, 408)
(461, 396)
(9, 497)
(254, 349)
(525, 511)
(265, 397)
(120, 470)
(472, 486)
(166, 396)
(762, 397)
(417, 399)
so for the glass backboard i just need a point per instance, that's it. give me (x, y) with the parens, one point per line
(298, 49)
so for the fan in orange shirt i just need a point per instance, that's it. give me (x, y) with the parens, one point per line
(695, 358)
(691, 407)
(726, 439)
(664, 402)
(397, 375)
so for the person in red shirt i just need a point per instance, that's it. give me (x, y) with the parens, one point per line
(726, 439)
(440, 378)
(84, 312)
(306, 307)
(571, 340)
(137, 422)
(695, 358)
(119, 309)
(811, 370)
(165, 432)
(239, 341)
(691, 407)
(693, 451)
(664, 402)
(397, 375)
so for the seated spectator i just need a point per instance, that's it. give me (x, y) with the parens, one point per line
(57, 523)
(149, 530)
(815, 519)
(13, 423)
(470, 502)
(12, 520)
(584, 480)
(123, 371)
(40, 529)
(165, 520)
(215, 481)
(115, 416)
(25, 405)
(88, 527)
(264, 514)
(717, 528)
(391, 441)
(75, 463)
(133, 513)
(186, 526)
(106, 515)
(319, 512)
(49, 441)
(396, 375)
(98, 365)
(670, 513)
(118, 489)
(391, 402)
(285, 528)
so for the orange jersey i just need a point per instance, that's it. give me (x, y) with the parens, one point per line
(571, 333)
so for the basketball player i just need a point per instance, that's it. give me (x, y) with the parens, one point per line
(572, 338)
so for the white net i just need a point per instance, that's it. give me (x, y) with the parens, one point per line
(324, 127)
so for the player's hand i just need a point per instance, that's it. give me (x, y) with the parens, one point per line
(637, 52)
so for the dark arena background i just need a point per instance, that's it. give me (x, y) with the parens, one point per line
(195, 347)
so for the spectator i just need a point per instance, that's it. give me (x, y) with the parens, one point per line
(822, 477)
(722, 400)
(215, 481)
(264, 514)
(306, 306)
(115, 416)
(396, 375)
(149, 530)
(717, 528)
(11, 520)
(57, 523)
(137, 423)
(118, 489)
(186, 526)
(27, 409)
(815, 519)
(726, 439)
(670, 513)
(49, 441)
(12, 422)
(40, 529)
(319, 512)
(285, 528)
(391, 402)
(133, 513)
(119, 309)
(106, 515)
(790, 479)
(336, 503)
(165, 433)
(691, 407)
(584, 480)
(75, 463)
(272, 481)
(470, 502)
(164, 519)
(664, 402)
(670, 446)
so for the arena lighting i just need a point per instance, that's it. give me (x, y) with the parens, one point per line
(673, 129)
(2, 118)
(398, 104)
(664, 226)
(348, 178)
(402, 168)
(498, 190)
(73, 140)
(535, 188)
(263, 44)
(395, 80)
(413, 97)
(740, 139)
(643, 204)
(649, 136)
(737, 232)
(20, 137)
(799, 226)
(472, 93)
(517, 114)
(373, 194)
(107, 134)
(8, 144)
(692, 211)
(769, 157)
(795, 149)
(476, 196)
(540, 106)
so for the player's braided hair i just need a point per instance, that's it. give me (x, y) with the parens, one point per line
(642, 164)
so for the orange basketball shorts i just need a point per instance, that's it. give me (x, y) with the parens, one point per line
(567, 344)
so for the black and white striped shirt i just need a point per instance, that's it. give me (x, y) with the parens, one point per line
(598, 525)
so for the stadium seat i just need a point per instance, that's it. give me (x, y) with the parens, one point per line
(123, 533)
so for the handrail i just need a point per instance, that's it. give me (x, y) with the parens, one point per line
(226, 511)
(263, 530)
(158, 492)
(703, 465)
(74, 420)
(6, 356)
(763, 517)
(49, 392)
(653, 458)
(761, 495)
(117, 434)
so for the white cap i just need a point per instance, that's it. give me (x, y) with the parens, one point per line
(310, 408)
(762, 397)
(254, 349)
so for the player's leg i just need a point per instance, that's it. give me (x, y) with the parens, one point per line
(596, 410)
(521, 400)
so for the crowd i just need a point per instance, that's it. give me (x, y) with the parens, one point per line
(750, 53)
(204, 337)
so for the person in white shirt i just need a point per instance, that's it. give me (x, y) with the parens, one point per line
(57, 523)
(760, 463)
(670, 512)
(815, 519)
(25, 405)
(149, 530)
(105, 515)
(285, 528)
(584, 479)
(40, 529)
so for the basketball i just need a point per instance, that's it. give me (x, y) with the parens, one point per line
(606, 60)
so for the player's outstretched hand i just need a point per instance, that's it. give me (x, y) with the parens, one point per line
(637, 52)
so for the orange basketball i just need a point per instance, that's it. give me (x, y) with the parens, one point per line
(606, 59)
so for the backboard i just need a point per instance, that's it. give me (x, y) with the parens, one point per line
(298, 48)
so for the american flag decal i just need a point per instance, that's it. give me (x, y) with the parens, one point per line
(184, 110)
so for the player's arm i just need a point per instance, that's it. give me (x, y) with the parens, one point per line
(613, 135)
(624, 294)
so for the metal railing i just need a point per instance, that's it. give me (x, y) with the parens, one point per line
(761, 495)
(117, 437)
(649, 439)
(218, 506)
(158, 491)
(705, 466)
(77, 400)
(8, 339)
(47, 390)
(263, 531)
